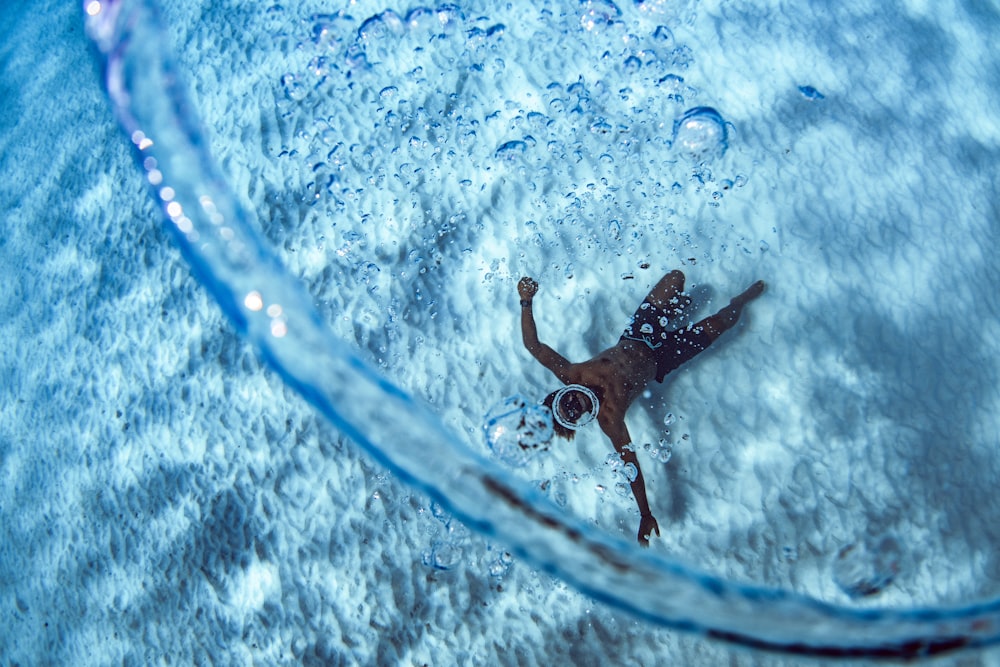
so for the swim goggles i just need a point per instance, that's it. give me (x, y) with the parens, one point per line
(567, 420)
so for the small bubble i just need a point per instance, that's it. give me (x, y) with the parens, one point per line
(499, 567)
(294, 90)
(443, 556)
(598, 14)
(439, 513)
(510, 151)
(811, 93)
(663, 35)
(600, 127)
(668, 419)
(320, 66)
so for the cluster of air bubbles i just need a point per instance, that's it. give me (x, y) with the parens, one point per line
(516, 430)
(379, 36)
(866, 567)
(449, 543)
(597, 14)
(661, 453)
(673, 86)
(500, 565)
(700, 135)
(622, 473)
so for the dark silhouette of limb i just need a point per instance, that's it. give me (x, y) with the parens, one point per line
(724, 320)
(668, 295)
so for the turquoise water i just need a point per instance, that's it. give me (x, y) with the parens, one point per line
(405, 169)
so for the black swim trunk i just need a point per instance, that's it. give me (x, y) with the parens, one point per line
(670, 348)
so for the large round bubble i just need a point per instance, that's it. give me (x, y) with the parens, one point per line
(700, 134)
(517, 430)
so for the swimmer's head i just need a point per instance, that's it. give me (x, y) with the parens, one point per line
(572, 406)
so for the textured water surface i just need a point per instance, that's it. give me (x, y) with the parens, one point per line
(166, 495)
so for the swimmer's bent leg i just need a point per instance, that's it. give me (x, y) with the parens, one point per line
(727, 318)
(667, 295)
(691, 340)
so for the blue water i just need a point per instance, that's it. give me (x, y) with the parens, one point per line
(360, 193)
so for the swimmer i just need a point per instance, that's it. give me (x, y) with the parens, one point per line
(606, 385)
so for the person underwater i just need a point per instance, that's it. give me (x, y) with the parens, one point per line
(604, 387)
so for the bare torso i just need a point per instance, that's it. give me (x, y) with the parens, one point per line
(618, 375)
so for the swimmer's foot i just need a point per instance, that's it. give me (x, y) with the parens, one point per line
(749, 294)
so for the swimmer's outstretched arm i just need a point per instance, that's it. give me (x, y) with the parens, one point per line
(614, 427)
(552, 360)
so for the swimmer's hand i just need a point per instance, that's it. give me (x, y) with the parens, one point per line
(527, 288)
(646, 527)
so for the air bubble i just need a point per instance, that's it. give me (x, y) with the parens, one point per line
(421, 18)
(442, 556)
(510, 151)
(499, 567)
(598, 14)
(811, 93)
(700, 134)
(516, 430)
(294, 90)
(600, 127)
(321, 66)
(663, 35)
(380, 27)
